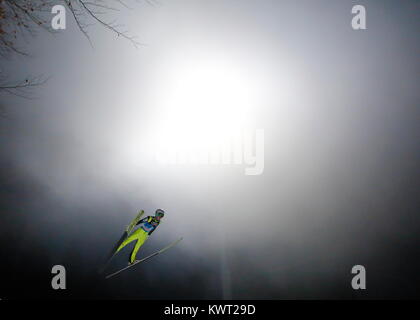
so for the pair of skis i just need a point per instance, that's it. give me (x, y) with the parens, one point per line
(144, 259)
(124, 236)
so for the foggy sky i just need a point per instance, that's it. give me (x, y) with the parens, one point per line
(340, 113)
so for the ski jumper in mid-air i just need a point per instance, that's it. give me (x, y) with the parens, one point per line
(147, 226)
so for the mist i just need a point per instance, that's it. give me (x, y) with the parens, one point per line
(339, 110)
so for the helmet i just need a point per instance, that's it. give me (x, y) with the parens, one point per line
(159, 213)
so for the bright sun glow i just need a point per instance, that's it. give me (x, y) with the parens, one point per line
(205, 103)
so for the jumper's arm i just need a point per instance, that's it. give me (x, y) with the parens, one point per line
(142, 221)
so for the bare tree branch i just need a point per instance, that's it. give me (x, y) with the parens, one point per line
(91, 9)
(22, 19)
(22, 88)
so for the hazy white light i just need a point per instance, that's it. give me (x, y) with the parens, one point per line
(205, 104)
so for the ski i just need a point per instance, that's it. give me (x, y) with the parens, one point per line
(144, 259)
(124, 236)
(133, 223)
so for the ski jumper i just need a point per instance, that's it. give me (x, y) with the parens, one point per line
(148, 225)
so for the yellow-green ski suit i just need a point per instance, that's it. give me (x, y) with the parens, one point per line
(141, 235)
